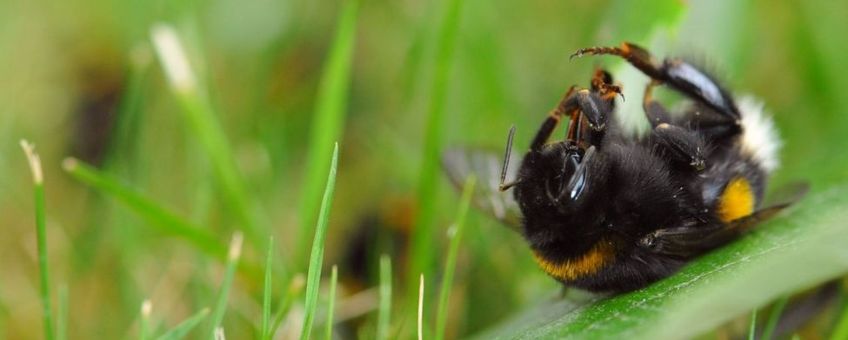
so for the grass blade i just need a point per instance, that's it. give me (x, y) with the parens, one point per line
(771, 262)
(774, 317)
(266, 294)
(331, 305)
(328, 122)
(752, 329)
(224, 292)
(181, 330)
(146, 309)
(840, 331)
(201, 118)
(385, 293)
(41, 235)
(293, 291)
(159, 217)
(421, 307)
(422, 239)
(313, 277)
(450, 263)
(62, 314)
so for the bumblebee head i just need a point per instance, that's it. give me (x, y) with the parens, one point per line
(558, 179)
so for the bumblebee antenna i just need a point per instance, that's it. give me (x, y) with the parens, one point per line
(505, 186)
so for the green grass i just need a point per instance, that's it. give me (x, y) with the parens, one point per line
(266, 292)
(455, 232)
(313, 280)
(840, 330)
(731, 281)
(166, 161)
(159, 217)
(224, 292)
(331, 302)
(62, 314)
(384, 309)
(182, 329)
(294, 290)
(204, 125)
(328, 122)
(752, 327)
(422, 238)
(41, 238)
(774, 317)
(144, 320)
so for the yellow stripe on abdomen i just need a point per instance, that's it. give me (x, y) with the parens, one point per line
(736, 201)
(587, 264)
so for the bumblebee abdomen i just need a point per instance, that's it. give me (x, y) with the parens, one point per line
(587, 264)
(736, 201)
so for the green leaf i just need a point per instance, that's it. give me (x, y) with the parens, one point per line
(800, 250)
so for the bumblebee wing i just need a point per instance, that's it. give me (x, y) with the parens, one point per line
(695, 239)
(787, 194)
(459, 163)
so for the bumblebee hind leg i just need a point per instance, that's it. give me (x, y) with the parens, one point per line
(695, 239)
(681, 146)
(718, 116)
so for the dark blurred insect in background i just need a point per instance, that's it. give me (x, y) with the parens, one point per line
(608, 212)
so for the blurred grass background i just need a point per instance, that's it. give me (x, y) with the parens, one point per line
(81, 79)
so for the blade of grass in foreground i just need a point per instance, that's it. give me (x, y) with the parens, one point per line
(41, 235)
(146, 309)
(164, 220)
(422, 239)
(182, 329)
(328, 122)
(840, 331)
(774, 317)
(313, 277)
(266, 292)
(294, 289)
(62, 316)
(201, 118)
(792, 252)
(450, 263)
(385, 304)
(331, 305)
(224, 293)
(752, 328)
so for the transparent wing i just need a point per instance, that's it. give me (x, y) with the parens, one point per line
(459, 163)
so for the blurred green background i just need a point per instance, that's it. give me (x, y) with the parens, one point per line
(82, 79)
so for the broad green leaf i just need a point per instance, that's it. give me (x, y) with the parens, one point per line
(805, 247)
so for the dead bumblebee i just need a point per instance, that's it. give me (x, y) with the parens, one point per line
(607, 212)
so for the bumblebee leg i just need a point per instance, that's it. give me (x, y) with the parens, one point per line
(603, 85)
(678, 74)
(683, 147)
(655, 112)
(695, 239)
(635, 55)
(595, 109)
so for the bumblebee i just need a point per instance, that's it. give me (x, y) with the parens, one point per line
(605, 211)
